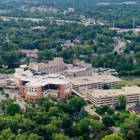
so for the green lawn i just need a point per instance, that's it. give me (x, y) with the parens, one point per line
(123, 112)
(4, 116)
(128, 83)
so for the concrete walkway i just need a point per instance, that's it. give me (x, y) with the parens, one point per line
(91, 111)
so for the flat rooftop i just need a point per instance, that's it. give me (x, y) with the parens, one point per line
(106, 78)
(3, 76)
(43, 82)
(40, 80)
(114, 92)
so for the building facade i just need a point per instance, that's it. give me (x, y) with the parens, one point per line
(78, 72)
(110, 97)
(50, 86)
(94, 82)
(4, 80)
(55, 66)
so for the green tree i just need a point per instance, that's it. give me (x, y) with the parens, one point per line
(48, 130)
(105, 87)
(108, 121)
(77, 104)
(96, 125)
(88, 50)
(130, 128)
(58, 48)
(96, 117)
(60, 136)
(35, 137)
(110, 111)
(27, 125)
(7, 95)
(67, 121)
(78, 50)
(12, 109)
(7, 135)
(137, 56)
(113, 137)
(122, 101)
(4, 103)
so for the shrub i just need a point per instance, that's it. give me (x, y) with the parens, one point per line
(110, 111)
(96, 117)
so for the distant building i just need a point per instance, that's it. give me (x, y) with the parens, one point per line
(55, 66)
(70, 9)
(110, 97)
(78, 62)
(31, 86)
(79, 69)
(78, 72)
(42, 28)
(30, 53)
(4, 80)
(135, 109)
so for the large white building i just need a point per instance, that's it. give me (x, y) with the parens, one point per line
(50, 85)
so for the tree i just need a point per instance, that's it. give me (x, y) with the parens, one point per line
(110, 111)
(7, 95)
(58, 48)
(88, 50)
(78, 50)
(7, 135)
(108, 121)
(96, 125)
(137, 56)
(60, 136)
(105, 87)
(96, 117)
(122, 101)
(100, 50)
(105, 108)
(35, 137)
(67, 122)
(27, 125)
(77, 104)
(130, 128)
(47, 131)
(113, 137)
(80, 138)
(12, 109)
(41, 100)
(4, 103)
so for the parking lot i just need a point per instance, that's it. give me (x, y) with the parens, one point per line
(13, 94)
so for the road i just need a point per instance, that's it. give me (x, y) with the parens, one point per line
(120, 46)
(12, 94)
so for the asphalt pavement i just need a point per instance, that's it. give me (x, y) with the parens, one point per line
(12, 94)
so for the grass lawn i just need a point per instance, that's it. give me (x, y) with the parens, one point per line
(130, 81)
(123, 112)
(4, 116)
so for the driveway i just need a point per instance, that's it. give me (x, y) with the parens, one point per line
(12, 94)
(91, 111)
